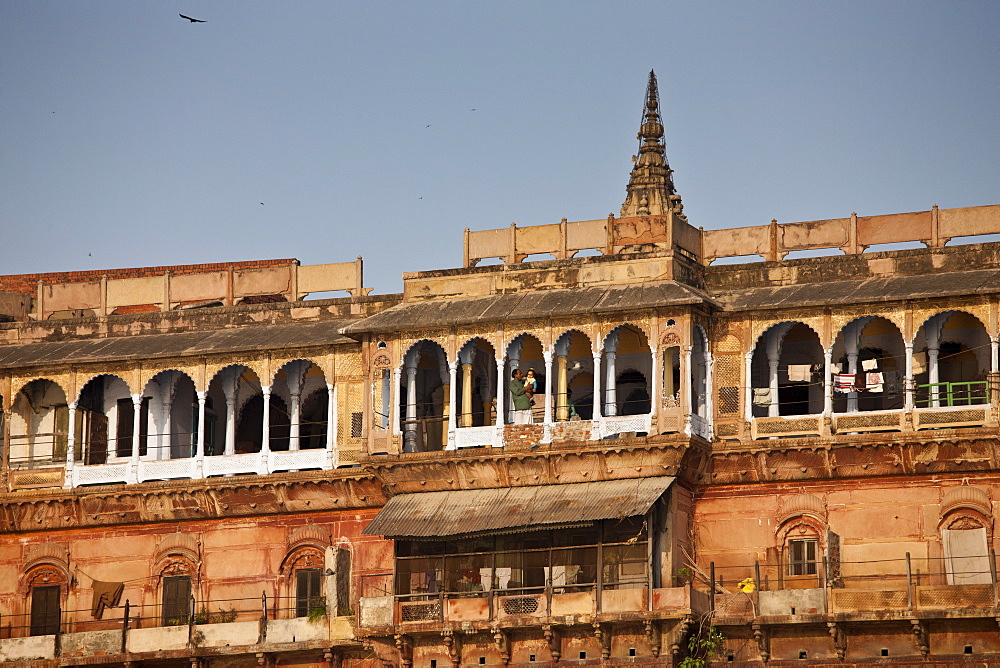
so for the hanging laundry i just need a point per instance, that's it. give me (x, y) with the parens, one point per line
(106, 595)
(919, 363)
(799, 373)
(835, 368)
(843, 382)
(874, 381)
(869, 365)
(761, 396)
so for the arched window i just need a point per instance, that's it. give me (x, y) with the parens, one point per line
(46, 587)
(175, 592)
(966, 527)
(306, 581)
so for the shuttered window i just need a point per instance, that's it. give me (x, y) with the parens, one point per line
(45, 610)
(176, 595)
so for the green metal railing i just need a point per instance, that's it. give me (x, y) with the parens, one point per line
(952, 394)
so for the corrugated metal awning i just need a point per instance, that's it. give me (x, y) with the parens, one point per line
(251, 337)
(433, 514)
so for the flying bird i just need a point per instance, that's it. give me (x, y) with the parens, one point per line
(191, 19)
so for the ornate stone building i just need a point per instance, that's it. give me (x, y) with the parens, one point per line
(202, 467)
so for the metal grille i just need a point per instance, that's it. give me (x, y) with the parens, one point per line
(524, 605)
(727, 377)
(420, 612)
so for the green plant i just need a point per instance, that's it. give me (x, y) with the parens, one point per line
(224, 616)
(201, 617)
(704, 644)
(317, 613)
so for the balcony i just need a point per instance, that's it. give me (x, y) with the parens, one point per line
(529, 606)
(239, 623)
(260, 463)
(860, 591)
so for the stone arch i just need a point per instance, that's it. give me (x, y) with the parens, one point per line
(786, 370)
(573, 357)
(105, 419)
(173, 546)
(526, 352)
(423, 396)
(802, 536)
(966, 529)
(952, 356)
(292, 386)
(877, 342)
(229, 390)
(476, 383)
(626, 346)
(39, 424)
(173, 405)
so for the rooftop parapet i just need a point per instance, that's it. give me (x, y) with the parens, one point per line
(117, 291)
(612, 236)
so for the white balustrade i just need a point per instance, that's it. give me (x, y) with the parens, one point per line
(314, 458)
(100, 474)
(166, 469)
(620, 424)
(470, 437)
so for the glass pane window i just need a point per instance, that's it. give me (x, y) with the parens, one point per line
(308, 591)
(802, 556)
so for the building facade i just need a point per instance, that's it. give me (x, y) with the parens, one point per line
(202, 467)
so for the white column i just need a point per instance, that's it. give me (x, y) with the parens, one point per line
(932, 332)
(498, 439)
(199, 444)
(709, 396)
(410, 427)
(773, 345)
(70, 447)
(852, 338)
(908, 379)
(747, 390)
(547, 416)
(828, 382)
(265, 436)
(656, 386)
(994, 356)
(331, 425)
(597, 387)
(397, 374)
(230, 386)
(687, 401)
(610, 387)
(452, 384)
(136, 420)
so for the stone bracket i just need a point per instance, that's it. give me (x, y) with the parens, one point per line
(763, 638)
(921, 637)
(654, 634)
(554, 640)
(838, 632)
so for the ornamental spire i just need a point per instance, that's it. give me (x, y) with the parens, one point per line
(650, 188)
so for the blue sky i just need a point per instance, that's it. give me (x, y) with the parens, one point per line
(131, 137)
